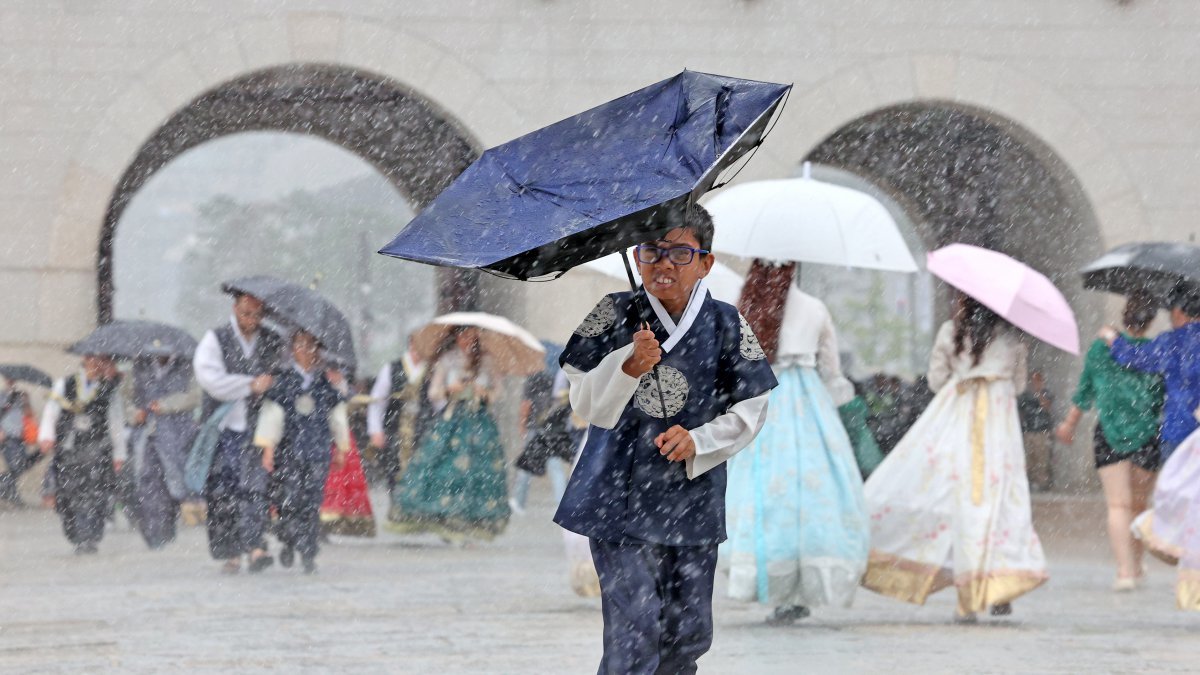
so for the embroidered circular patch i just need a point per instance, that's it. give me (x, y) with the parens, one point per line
(674, 392)
(750, 348)
(600, 320)
(306, 405)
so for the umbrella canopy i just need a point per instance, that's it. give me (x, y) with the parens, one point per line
(808, 221)
(512, 349)
(1012, 289)
(723, 283)
(259, 285)
(598, 182)
(14, 372)
(301, 308)
(136, 339)
(1154, 267)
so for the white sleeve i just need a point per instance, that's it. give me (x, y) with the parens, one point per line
(269, 431)
(600, 395)
(339, 426)
(726, 435)
(941, 358)
(381, 395)
(116, 427)
(209, 366)
(47, 429)
(829, 365)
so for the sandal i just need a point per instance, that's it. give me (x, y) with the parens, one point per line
(788, 615)
(231, 567)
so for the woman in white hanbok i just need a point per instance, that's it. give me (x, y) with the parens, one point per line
(950, 504)
(797, 521)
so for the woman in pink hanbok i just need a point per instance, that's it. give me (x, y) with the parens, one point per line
(950, 505)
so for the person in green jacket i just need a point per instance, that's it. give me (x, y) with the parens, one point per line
(1129, 407)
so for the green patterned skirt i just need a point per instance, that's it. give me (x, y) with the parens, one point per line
(455, 485)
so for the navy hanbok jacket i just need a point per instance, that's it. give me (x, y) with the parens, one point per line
(715, 378)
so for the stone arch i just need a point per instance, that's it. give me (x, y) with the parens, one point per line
(1037, 112)
(371, 59)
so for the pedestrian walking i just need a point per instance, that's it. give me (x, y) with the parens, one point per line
(234, 364)
(455, 485)
(15, 411)
(950, 505)
(670, 394)
(161, 398)
(1174, 355)
(83, 425)
(1035, 409)
(797, 521)
(302, 415)
(1125, 441)
(397, 416)
(545, 425)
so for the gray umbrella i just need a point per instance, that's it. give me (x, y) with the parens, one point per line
(1155, 268)
(297, 307)
(136, 339)
(24, 373)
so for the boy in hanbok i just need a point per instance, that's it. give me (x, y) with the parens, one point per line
(950, 506)
(797, 521)
(83, 425)
(303, 413)
(673, 383)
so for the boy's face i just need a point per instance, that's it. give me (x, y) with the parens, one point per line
(305, 348)
(672, 284)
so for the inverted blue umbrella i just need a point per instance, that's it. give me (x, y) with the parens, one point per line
(603, 180)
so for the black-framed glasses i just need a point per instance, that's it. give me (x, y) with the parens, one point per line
(648, 254)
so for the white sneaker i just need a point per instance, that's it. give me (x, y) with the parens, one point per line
(516, 508)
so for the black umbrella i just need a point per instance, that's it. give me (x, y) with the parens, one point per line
(1155, 268)
(304, 309)
(258, 286)
(23, 373)
(136, 339)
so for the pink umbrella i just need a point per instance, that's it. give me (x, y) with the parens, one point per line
(1023, 296)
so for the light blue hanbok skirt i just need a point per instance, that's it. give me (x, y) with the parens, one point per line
(798, 530)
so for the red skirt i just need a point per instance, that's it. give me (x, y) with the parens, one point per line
(347, 506)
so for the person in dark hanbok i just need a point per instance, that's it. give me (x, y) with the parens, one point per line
(161, 400)
(397, 416)
(14, 407)
(670, 395)
(82, 425)
(234, 363)
(302, 414)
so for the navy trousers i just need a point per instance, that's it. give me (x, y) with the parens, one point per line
(302, 489)
(237, 497)
(657, 604)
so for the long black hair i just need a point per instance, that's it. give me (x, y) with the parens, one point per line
(975, 323)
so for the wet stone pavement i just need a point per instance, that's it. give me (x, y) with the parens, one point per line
(414, 605)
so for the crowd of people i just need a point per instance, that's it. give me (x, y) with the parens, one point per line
(904, 489)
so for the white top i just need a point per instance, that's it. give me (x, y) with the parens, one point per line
(381, 393)
(1005, 358)
(450, 370)
(601, 395)
(808, 339)
(86, 388)
(211, 374)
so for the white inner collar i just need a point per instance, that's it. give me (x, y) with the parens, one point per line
(677, 331)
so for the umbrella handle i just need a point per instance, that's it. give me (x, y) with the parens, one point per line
(637, 301)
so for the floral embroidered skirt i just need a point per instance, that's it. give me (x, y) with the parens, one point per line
(455, 485)
(950, 505)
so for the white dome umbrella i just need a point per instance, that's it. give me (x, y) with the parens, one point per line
(808, 221)
(512, 349)
(723, 283)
